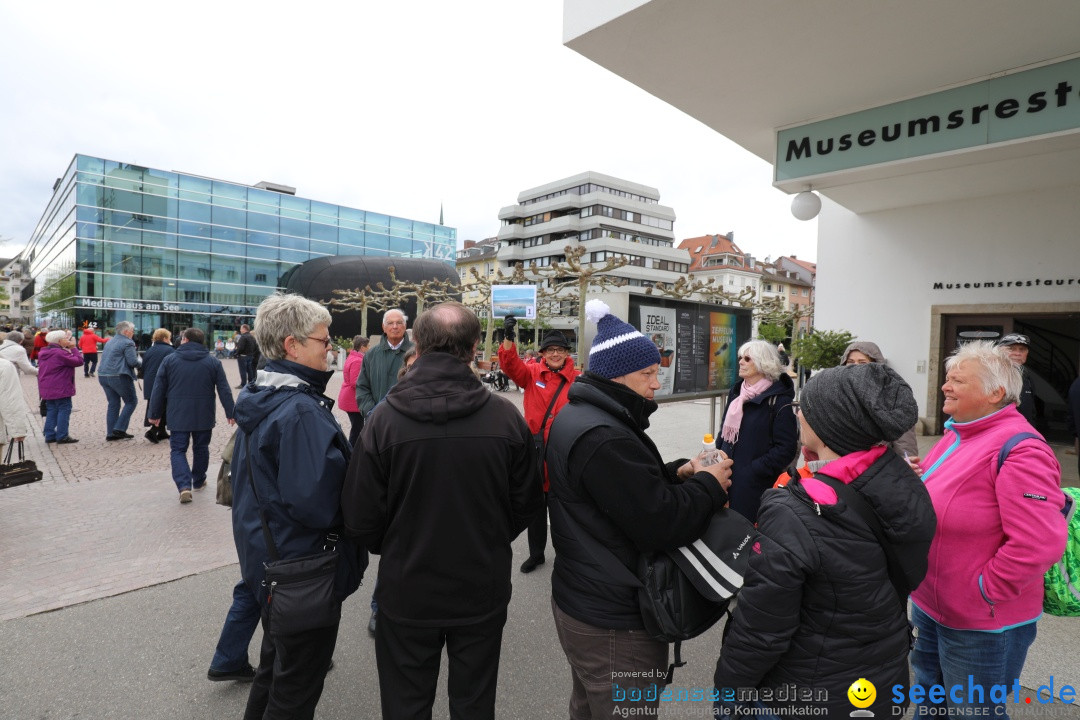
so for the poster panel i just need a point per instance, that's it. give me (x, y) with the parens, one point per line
(658, 324)
(723, 360)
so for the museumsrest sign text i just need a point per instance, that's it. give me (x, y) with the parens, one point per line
(1021, 105)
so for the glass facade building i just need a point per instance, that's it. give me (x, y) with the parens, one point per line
(166, 249)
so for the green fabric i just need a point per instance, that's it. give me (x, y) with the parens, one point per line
(1062, 580)
(379, 373)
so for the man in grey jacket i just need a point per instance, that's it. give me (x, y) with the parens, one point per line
(116, 374)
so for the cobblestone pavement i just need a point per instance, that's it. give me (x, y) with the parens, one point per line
(106, 518)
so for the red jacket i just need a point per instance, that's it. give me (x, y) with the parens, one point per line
(39, 343)
(539, 383)
(88, 343)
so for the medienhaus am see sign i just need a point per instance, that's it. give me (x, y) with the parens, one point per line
(1025, 104)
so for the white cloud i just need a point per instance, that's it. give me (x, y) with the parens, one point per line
(390, 107)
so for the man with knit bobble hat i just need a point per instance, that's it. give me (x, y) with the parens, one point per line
(609, 486)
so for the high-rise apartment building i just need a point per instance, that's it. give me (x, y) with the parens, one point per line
(608, 216)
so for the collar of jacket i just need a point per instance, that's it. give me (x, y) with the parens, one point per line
(617, 399)
(317, 379)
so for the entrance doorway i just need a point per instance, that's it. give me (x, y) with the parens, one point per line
(1053, 361)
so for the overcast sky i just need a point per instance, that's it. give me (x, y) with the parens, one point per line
(393, 107)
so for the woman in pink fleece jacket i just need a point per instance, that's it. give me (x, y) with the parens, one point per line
(998, 531)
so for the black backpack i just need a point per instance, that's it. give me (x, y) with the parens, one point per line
(681, 592)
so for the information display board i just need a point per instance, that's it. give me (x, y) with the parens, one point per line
(698, 343)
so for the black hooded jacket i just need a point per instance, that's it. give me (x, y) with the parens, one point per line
(443, 478)
(608, 477)
(817, 609)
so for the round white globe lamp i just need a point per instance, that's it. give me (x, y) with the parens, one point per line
(806, 205)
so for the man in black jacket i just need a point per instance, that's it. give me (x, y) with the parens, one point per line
(442, 479)
(608, 480)
(245, 350)
(185, 383)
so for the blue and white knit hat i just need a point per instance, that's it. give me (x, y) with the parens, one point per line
(618, 348)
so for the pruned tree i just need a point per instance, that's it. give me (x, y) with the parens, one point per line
(821, 348)
(357, 299)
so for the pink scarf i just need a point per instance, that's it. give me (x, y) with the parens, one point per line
(730, 431)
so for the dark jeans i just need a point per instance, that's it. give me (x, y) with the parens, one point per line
(58, 413)
(243, 362)
(538, 531)
(948, 657)
(232, 648)
(292, 669)
(408, 661)
(89, 363)
(117, 388)
(612, 670)
(356, 424)
(193, 476)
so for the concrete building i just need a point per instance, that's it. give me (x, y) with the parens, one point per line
(946, 148)
(14, 277)
(609, 217)
(167, 249)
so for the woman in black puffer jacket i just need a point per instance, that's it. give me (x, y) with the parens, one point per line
(818, 610)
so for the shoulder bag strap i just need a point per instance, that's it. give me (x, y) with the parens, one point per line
(547, 413)
(270, 546)
(863, 510)
(1011, 443)
(602, 556)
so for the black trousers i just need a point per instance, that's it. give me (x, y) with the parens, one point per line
(538, 531)
(408, 660)
(356, 424)
(292, 668)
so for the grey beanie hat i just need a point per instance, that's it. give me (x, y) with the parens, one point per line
(855, 407)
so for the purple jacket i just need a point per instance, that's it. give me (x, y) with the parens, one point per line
(56, 372)
(997, 531)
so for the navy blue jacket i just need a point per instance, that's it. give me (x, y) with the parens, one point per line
(151, 361)
(768, 442)
(298, 461)
(185, 382)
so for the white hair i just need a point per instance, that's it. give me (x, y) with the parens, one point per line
(123, 326)
(283, 315)
(995, 368)
(404, 317)
(766, 358)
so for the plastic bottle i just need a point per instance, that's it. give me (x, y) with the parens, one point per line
(709, 454)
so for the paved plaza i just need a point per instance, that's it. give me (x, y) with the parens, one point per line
(139, 586)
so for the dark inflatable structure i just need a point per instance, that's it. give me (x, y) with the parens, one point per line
(318, 278)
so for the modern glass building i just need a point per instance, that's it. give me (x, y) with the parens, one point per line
(167, 249)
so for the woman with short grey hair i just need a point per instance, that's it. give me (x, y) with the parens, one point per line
(284, 316)
(758, 431)
(289, 465)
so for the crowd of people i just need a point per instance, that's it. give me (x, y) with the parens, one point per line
(438, 476)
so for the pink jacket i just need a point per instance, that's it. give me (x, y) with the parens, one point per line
(350, 372)
(997, 532)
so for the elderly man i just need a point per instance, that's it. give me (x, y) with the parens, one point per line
(185, 382)
(379, 371)
(378, 374)
(12, 349)
(1017, 346)
(116, 375)
(443, 478)
(608, 482)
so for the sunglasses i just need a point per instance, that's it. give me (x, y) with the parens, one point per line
(746, 358)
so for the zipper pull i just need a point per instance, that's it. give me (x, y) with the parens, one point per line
(817, 509)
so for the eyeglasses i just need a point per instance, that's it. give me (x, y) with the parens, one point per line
(555, 351)
(746, 358)
(326, 341)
